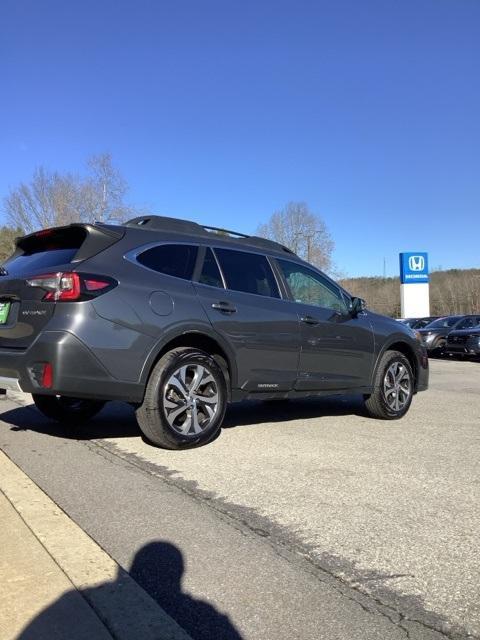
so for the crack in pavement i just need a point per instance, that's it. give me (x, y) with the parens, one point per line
(328, 569)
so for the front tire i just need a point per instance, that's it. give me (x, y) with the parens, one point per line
(393, 387)
(67, 410)
(438, 347)
(185, 400)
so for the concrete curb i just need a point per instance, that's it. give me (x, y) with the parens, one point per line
(125, 609)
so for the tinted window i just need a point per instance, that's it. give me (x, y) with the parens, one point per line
(444, 323)
(420, 324)
(46, 250)
(210, 272)
(468, 323)
(247, 272)
(39, 261)
(309, 287)
(171, 259)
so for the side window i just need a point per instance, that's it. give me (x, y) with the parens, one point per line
(309, 287)
(466, 324)
(210, 272)
(247, 272)
(171, 259)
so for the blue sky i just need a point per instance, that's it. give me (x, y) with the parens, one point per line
(223, 111)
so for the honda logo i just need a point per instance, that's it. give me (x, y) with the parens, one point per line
(416, 263)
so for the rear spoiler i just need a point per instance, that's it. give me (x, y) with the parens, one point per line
(89, 238)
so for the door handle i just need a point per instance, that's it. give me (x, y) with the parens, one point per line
(224, 307)
(309, 320)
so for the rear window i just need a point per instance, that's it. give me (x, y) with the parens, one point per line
(45, 251)
(247, 272)
(171, 259)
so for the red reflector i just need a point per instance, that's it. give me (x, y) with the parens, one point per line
(96, 285)
(47, 376)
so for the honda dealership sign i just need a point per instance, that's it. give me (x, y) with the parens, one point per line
(414, 288)
(413, 267)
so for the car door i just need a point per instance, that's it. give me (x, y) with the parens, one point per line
(241, 297)
(337, 349)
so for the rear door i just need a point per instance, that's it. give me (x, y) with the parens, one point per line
(243, 304)
(23, 310)
(337, 350)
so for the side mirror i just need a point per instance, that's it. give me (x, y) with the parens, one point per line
(357, 305)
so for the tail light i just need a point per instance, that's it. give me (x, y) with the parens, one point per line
(70, 287)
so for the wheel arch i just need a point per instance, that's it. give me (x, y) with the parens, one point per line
(198, 339)
(408, 351)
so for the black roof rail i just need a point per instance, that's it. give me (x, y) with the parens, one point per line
(164, 223)
(227, 232)
(266, 243)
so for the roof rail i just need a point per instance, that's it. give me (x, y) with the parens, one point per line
(227, 232)
(163, 223)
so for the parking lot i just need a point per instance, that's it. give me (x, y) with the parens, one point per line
(390, 508)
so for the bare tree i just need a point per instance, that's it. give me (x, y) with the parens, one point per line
(306, 233)
(456, 291)
(51, 199)
(7, 241)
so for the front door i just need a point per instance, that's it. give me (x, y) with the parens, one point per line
(337, 350)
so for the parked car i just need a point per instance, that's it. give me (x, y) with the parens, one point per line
(465, 341)
(435, 334)
(178, 320)
(418, 323)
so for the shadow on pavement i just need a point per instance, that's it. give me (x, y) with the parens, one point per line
(252, 412)
(158, 568)
(117, 420)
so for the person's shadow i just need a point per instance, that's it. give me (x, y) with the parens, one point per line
(158, 568)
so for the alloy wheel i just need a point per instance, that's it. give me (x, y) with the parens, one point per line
(397, 386)
(191, 399)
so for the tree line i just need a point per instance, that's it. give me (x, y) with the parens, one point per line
(52, 199)
(452, 292)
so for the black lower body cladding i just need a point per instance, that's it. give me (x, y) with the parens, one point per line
(75, 370)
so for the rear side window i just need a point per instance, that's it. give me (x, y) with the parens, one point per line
(210, 272)
(45, 251)
(171, 259)
(247, 272)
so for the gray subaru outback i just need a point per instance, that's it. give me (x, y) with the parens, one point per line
(180, 319)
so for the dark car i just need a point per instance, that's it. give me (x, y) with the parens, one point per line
(435, 334)
(418, 323)
(465, 341)
(178, 320)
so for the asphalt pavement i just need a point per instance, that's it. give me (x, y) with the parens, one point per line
(304, 519)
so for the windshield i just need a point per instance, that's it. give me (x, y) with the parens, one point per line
(442, 323)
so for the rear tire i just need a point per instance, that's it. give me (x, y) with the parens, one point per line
(185, 400)
(393, 387)
(67, 410)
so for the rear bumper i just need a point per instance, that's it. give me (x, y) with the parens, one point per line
(76, 370)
